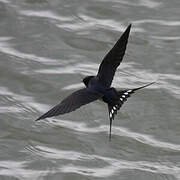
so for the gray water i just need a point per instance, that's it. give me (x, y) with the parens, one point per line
(46, 48)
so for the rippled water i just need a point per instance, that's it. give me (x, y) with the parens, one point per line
(46, 48)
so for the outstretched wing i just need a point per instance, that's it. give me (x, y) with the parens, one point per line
(72, 102)
(113, 59)
(123, 96)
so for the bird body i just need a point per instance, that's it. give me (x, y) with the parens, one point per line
(110, 95)
(99, 86)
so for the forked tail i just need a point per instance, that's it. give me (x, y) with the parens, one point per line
(122, 97)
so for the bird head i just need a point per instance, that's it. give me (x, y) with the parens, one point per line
(86, 80)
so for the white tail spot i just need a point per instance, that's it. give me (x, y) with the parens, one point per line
(129, 91)
(110, 115)
(123, 96)
(114, 108)
(126, 93)
(121, 99)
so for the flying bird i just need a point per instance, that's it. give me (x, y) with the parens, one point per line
(99, 86)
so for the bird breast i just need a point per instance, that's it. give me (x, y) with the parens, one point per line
(110, 96)
(95, 85)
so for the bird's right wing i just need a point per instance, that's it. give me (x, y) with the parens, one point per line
(113, 59)
(72, 102)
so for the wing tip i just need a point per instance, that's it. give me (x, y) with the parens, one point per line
(124, 37)
(128, 28)
(39, 118)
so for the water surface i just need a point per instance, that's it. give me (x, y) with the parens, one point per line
(46, 48)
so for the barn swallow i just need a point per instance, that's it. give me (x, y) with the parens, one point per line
(99, 86)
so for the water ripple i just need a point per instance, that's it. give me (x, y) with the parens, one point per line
(87, 22)
(167, 38)
(45, 14)
(7, 48)
(18, 169)
(149, 3)
(119, 131)
(158, 22)
(111, 166)
(145, 3)
(73, 86)
(118, 166)
(85, 69)
(23, 103)
(4, 1)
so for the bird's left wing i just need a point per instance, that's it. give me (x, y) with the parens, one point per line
(72, 102)
(112, 60)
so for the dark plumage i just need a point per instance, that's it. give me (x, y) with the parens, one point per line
(99, 86)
